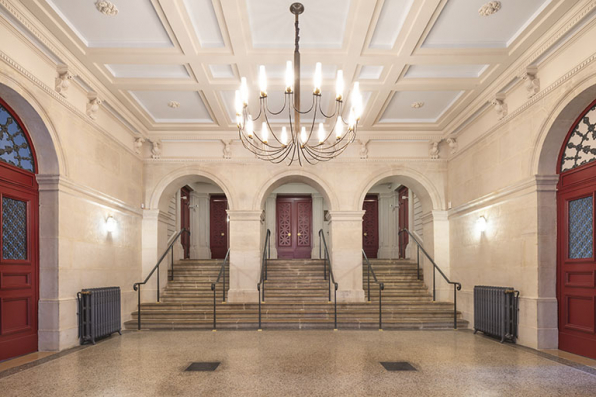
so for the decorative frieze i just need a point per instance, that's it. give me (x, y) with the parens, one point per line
(532, 83)
(452, 142)
(93, 105)
(138, 144)
(363, 148)
(156, 149)
(434, 150)
(63, 78)
(500, 105)
(227, 149)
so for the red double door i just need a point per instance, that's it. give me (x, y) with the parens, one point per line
(576, 279)
(19, 258)
(294, 227)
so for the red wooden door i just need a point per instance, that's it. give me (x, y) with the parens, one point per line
(185, 219)
(218, 226)
(19, 240)
(576, 279)
(403, 221)
(370, 226)
(294, 227)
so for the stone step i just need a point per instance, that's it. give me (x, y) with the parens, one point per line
(297, 305)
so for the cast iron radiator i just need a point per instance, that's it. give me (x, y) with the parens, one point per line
(496, 311)
(99, 313)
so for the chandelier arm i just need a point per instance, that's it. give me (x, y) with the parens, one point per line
(249, 143)
(336, 146)
(282, 109)
(271, 130)
(337, 103)
(311, 106)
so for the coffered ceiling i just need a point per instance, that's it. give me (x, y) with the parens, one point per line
(176, 63)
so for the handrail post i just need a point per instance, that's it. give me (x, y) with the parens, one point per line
(139, 308)
(454, 306)
(214, 308)
(224, 282)
(172, 251)
(368, 271)
(434, 292)
(380, 307)
(325, 266)
(335, 296)
(157, 284)
(418, 260)
(259, 290)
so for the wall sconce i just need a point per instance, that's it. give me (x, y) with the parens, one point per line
(111, 224)
(481, 224)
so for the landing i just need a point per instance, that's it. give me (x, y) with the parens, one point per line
(276, 363)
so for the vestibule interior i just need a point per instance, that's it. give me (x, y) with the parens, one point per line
(390, 207)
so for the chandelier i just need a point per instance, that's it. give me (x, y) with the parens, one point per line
(310, 142)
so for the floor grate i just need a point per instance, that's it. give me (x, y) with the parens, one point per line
(398, 366)
(203, 366)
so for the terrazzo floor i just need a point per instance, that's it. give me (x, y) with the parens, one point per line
(300, 363)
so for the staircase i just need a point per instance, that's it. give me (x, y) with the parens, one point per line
(296, 297)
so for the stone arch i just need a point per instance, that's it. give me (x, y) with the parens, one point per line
(295, 176)
(50, 166)
(555, 128)
(168, 185)
(426, 191)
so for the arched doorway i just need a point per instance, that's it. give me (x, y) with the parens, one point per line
(576, 265)
(19, 238)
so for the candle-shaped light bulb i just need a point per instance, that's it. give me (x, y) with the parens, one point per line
(238, 102)
(322, 134)
(244, 91)
(264, 132)
(289, 76)
(339, 128)
(239, 120)
(339, 85)
(249, 127)
(303, 136)
(263, 81)
(284, 136)
(351, 120)
(357, 101)
(318, 78)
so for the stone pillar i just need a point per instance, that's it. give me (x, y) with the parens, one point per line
(317, 223)
(178, 248)
(245, 255)
(149, 252)
(388, 247)
(440, 254)
(346, 254)
(271, 222)
(199, 226)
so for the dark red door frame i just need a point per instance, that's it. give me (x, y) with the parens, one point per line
(403, 220)
(185, 219)
(294, 227)
(370, 226)
(19, 279)
(218, 226)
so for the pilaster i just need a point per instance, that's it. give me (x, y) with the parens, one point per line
(317, 223)
(245, 255)
(271, 222)
(199, 226)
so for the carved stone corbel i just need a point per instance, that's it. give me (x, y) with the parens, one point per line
(138, 144)
(62, 81)
(452, 142)
(227, 149)
(500, 105)
(156, 149)
(532, 83)
(93, 105)
(434, 150)
(363, 148)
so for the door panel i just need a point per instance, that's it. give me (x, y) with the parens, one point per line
(294, 227)
(403, 221)
(370, 226)
(185, 220)
(218, 226)
(576, 283)
(18, 272)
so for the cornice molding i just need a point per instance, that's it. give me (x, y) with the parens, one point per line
(537, 183)
(64, 102)
(62, 184)
(247, 160)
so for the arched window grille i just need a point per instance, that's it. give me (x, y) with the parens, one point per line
(15, 148)
(580, 148)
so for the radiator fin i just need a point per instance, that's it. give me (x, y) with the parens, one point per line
(496, 311)
(99, 313)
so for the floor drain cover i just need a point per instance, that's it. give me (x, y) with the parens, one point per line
(202, 367)
(398, 366)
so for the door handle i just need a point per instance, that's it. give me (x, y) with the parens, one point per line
(299, 234)
(366, 234)
(223, 234)
(289, 234)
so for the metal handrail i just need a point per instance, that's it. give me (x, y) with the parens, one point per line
(137, 286)
(222, 270)
(264, 260)
(331, 276)
(381, 288)
(456, 285)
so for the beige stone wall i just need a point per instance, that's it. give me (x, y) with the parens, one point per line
(87, 172)
(498, 173)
